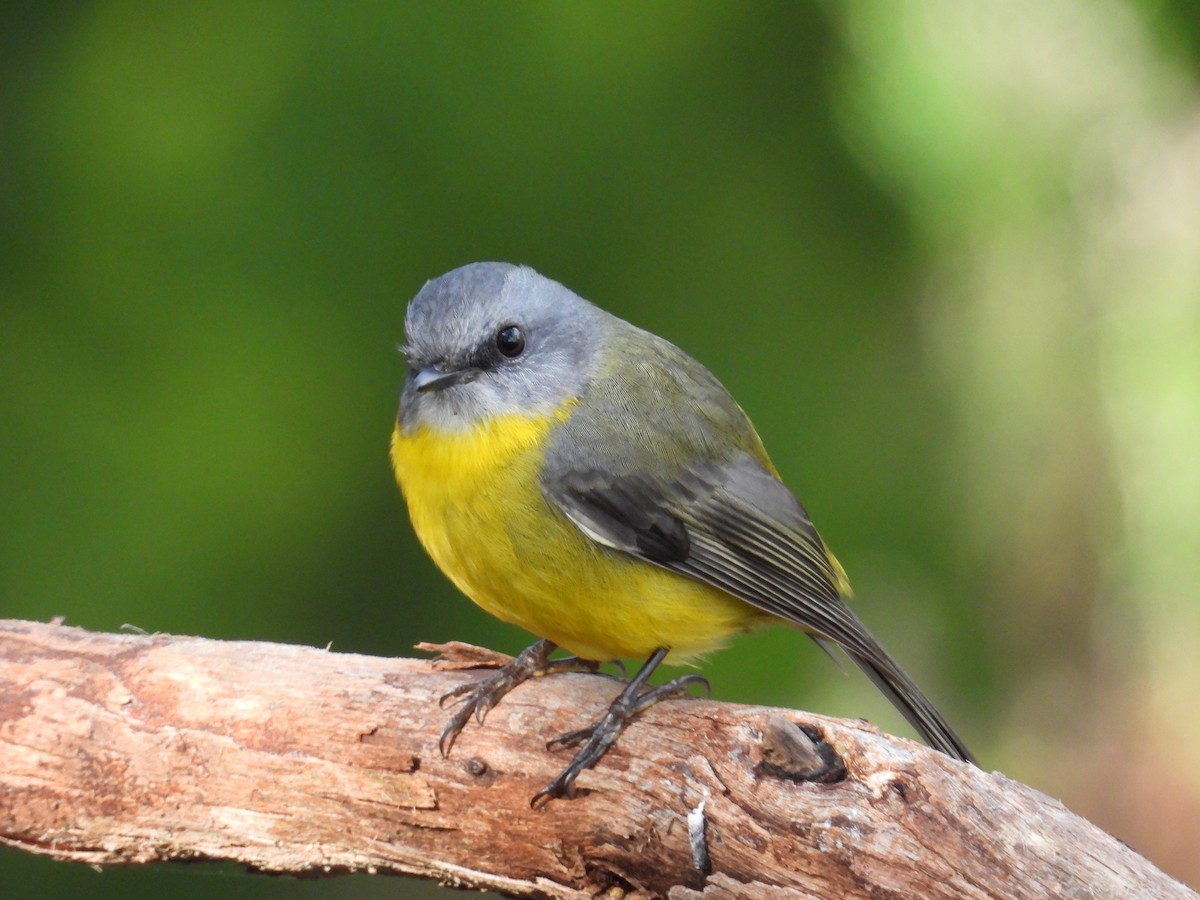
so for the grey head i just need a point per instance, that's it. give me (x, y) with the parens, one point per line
(490, 339)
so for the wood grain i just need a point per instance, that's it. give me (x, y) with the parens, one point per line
(131, 749)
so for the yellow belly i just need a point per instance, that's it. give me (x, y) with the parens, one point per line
(476, 507)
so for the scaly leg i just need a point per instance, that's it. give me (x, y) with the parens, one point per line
(481, 696)
(601, 735)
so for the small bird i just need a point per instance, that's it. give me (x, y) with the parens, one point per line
(593, 484)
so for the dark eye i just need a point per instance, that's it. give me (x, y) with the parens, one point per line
(510, 341)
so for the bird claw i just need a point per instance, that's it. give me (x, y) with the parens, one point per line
(572, 738)
(604, 732)
(480, 696)
(465, 688)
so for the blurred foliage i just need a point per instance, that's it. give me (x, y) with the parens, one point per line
(946, 255)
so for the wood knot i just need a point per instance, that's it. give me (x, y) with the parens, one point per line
(798, 753)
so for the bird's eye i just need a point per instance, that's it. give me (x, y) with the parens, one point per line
(510, 341)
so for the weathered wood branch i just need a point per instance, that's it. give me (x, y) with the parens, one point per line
(130, 749)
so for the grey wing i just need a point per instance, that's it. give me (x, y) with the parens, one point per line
(734, 526)
(737, 527)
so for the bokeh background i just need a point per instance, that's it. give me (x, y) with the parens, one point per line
(946, 254)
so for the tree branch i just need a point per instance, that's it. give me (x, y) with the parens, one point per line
(130, 749)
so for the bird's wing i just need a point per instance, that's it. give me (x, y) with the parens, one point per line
(735, 526)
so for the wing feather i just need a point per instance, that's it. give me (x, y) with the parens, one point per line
(736, 527)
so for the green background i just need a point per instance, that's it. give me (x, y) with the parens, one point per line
(946, 255)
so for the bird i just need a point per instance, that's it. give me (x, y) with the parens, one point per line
(591, 483)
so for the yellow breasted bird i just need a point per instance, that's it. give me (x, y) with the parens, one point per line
(595, 485)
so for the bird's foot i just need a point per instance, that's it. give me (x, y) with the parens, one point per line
(481, 696)
(604, 732)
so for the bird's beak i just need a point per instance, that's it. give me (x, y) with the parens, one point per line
(435, 378)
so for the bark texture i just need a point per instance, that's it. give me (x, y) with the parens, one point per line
(129, 749)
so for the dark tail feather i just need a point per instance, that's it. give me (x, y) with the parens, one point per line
(913, 705)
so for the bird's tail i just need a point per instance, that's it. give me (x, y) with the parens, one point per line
(913, 705)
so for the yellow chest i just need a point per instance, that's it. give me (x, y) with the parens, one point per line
(474, 501)
(477, 508)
